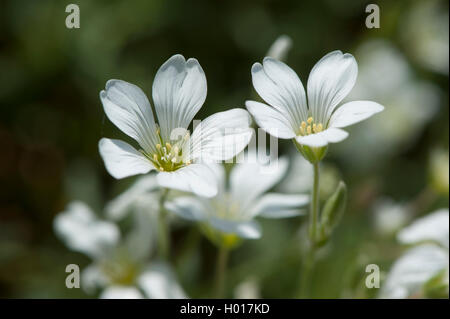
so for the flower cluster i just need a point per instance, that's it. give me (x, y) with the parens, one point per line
(223, 200)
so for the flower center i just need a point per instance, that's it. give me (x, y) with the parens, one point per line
(226, 208)
(310, 127)
(169, 156)
(120, 270)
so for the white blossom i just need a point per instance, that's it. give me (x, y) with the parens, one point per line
(179, 90)
(120, 267)
(234, 208)
(311, 119)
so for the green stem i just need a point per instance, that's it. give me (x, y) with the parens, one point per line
(314, 211)
(309, 257)
(221, 269)
(163, 233)
(305, 283)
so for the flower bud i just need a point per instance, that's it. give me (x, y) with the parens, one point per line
(332, 212)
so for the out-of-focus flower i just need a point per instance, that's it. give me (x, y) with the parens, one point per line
(179, 90)
(280, 48)
(389, 216)
(423, 270)
(248, 289)
(119, 265)
(231, 213)
(317, 122)
(439, 171)
(385, 76)
(431, 228)
(425, 32)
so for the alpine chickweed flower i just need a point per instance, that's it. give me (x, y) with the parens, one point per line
(120, 267)
(312, 120)
(179, 91)
(423, 270)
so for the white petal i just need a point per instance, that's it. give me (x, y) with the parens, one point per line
(354, 112)
(250, 180)
(121, 159)
(409, 273)
(121, 292)
(330, 80)
(280, 87)
(274, 205)
(221, 136)
(129, 109)
(195, 178)
(82, 231)
(330, 135)
(270, 120)
(158, 282)
(433, 227)
(117, 208)
(220, 175)
(179, 91)
(244, 229)
(190, 208)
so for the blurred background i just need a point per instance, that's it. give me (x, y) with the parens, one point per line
(395, 164)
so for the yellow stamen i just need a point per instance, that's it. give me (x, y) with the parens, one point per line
(314, 127)
(161, 168)
(309, 120)
(168, 146)
(303, 124)
(155, 157)
(308, 129)
(319, 127)
(302, 130)
(158, 146)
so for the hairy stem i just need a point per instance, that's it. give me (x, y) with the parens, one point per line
(314, 211)
(309, 256)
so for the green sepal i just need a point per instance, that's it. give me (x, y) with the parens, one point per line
(311, 154)
(221, 239)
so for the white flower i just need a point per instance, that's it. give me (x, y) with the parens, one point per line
(179, 90)
(419, 265)
(234, 208)
(119, 265)
(431, 228)
(313, 119)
